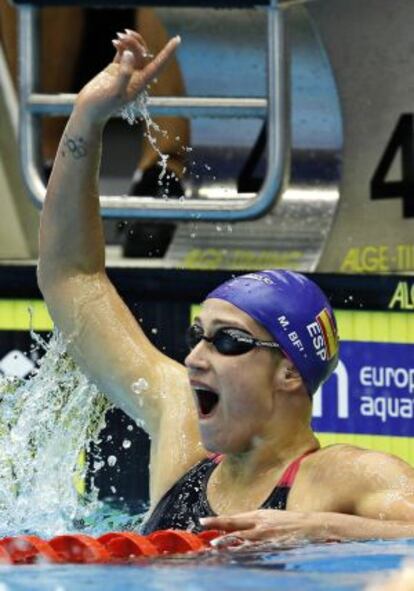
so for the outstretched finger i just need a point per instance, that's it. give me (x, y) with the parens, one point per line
(152, 69)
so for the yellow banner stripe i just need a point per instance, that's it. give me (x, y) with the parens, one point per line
(24, 315)
(398, 446)
(375, 327)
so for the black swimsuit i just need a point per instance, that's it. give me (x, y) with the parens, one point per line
(186, 501)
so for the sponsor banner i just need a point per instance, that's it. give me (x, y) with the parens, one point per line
(371, 391)
(24, 315)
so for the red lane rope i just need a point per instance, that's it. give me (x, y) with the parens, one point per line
(78, 548)
(124, 545)
(109, 548)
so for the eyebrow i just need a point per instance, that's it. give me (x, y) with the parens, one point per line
(222, 322)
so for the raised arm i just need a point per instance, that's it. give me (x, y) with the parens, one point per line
(71, 238)
(104, 337)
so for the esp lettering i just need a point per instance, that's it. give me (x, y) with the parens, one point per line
(318, 340)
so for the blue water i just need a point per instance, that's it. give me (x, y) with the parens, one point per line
(332, 567)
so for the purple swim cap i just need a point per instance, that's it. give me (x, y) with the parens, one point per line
(295, 312)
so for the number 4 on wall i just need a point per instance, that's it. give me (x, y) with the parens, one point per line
(381, 188)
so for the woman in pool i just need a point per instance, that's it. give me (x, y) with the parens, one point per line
(260, 347)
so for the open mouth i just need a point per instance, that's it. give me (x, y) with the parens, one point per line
(207, 401)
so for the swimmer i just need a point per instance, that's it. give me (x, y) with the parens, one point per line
(231, 441)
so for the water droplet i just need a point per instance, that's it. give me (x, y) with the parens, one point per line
(111, 461)
(154, 330)
(126, 444)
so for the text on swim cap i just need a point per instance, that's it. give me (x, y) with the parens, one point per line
(318, 341)
(283, 321)
(294, 337)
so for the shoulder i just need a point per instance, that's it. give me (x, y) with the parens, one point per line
(367, 465)
(352, 457)
(332, 457)
(337, 477)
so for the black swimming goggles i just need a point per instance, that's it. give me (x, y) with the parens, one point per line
(227, 341)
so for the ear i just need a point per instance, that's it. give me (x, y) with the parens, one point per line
(287, 376)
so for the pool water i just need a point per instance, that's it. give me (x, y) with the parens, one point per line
(333, 567)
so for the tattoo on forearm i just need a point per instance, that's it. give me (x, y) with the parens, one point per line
(76, 146)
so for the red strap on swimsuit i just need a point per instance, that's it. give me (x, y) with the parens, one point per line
(288, 477)
(216, 457)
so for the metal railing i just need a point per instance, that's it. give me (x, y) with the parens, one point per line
(243, 206)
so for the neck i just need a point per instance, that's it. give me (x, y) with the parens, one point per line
(269, 454)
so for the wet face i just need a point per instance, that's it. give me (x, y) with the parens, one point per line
(234, 394)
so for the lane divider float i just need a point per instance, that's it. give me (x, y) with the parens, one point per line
(113, 547)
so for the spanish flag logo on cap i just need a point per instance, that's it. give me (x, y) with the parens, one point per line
(328, 328)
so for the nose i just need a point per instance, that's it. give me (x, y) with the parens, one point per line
(198, 357)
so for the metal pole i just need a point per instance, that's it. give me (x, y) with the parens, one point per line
(241, 207)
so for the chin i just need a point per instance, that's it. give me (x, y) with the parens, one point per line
(211, 443)
(223, 444)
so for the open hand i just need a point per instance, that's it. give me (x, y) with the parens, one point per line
(268, 525)
(122, 80)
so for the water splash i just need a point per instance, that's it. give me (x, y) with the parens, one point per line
(46, 424)
(137, 110)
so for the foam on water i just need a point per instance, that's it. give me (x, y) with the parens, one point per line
(46, 424)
